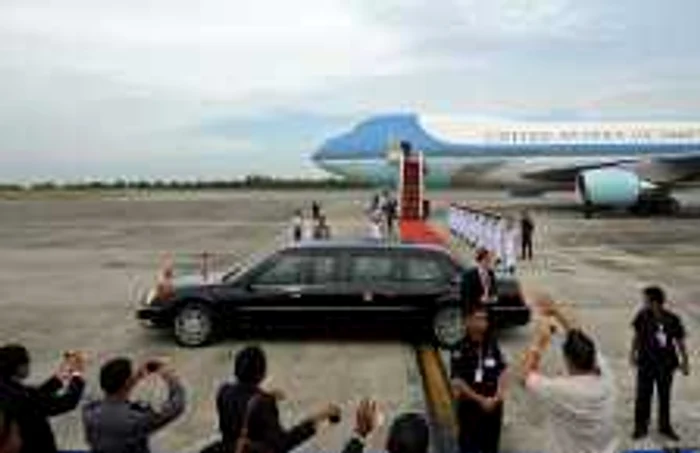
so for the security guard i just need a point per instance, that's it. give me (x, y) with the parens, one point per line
(659, 338)
(478, 384)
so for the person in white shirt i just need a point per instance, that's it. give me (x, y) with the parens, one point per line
(498, 230)
(478, 231)
(491, 236)
(297, 226)
(580, 404)
(510, 246)
(375, 225)
(452, 219)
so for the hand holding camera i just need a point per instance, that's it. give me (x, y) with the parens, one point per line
(366, 418)
(73, 364)
(331, 412)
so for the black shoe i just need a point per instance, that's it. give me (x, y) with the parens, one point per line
(639, 434)
(670, 433)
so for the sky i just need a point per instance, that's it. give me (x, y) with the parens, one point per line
(104, 89)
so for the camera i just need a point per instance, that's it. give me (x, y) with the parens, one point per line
(153, 365)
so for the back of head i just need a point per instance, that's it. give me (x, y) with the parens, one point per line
(481, 254)
(251, 365)
(580, 352)
(115, 375)
(408, 434)
(12, 358)
(655, 295)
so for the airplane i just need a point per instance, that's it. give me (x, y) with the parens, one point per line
(629, 165)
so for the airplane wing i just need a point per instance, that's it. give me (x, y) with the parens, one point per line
(659, 170)
(569, 173)
(679, 169)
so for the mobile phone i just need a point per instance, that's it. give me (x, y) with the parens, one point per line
(153, 365)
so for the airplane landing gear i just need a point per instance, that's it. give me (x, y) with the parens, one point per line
(656, 204)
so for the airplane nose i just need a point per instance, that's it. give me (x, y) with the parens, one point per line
(318, 158)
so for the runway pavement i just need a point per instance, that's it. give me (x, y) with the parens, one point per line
(72, 271)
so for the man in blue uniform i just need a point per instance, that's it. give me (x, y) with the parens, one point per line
(478, 381)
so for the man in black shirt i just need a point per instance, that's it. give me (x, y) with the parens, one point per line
(264, 429)
(527, 227)
(658, 339)
(478, 384)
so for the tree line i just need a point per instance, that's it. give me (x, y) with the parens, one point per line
(248, 182)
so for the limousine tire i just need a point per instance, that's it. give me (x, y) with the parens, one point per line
(193, 325)
(448, 326)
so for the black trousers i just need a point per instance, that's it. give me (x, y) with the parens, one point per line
(479, 431)
(648, 377)
(526, 248)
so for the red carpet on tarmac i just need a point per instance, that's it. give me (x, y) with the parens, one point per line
(420, 231)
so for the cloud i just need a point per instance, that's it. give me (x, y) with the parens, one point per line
(171, 86)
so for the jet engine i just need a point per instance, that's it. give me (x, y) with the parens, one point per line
(609, 187)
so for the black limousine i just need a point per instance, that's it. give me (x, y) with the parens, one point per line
(415, 286)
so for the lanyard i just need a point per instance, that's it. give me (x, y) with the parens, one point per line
(479, 372)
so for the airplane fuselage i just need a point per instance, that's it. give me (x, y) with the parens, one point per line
(516, 156)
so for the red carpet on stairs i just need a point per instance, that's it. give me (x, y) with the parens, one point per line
(419, 231)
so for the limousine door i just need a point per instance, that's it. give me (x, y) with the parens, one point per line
(274, 293)
(375, 286)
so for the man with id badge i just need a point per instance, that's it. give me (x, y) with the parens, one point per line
(478, 384)
(658, 339)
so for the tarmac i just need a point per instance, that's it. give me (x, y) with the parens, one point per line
(73, 271)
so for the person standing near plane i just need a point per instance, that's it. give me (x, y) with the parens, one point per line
(321, 229)
(659, 338)
(527, 228)
(510, 253)
(375, 225)
(390, 214)
(315, 210)
(479, 283)
(491, 238)
(497, 240)
(478, 230)
(298, 226)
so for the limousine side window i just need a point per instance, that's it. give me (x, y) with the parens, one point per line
(323, 269)
(373, 268)
(287, 269)
(424, 269)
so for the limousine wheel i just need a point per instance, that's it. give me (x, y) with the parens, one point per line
(193, 325)
(448, 326)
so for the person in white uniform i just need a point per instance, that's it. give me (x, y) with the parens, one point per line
(510, 246)
(498, 230)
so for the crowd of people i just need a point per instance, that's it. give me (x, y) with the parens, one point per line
(316, 227)
(579, 402)
(248, 414)
(494, 232)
